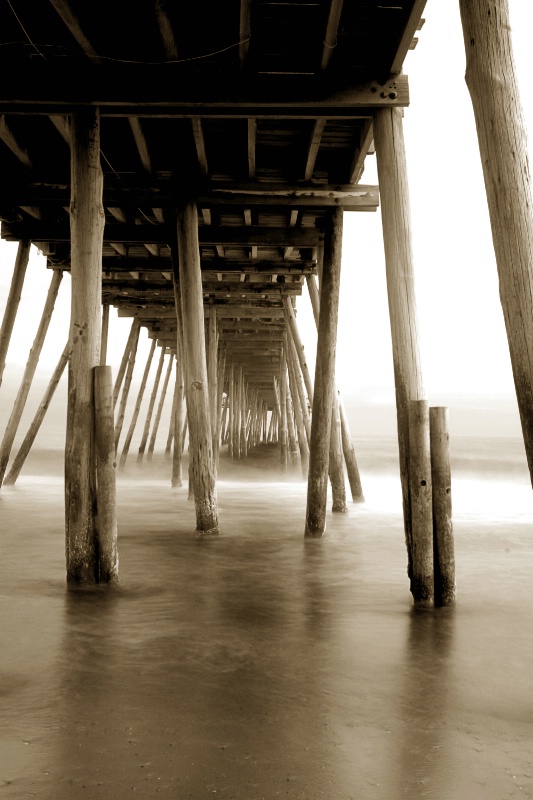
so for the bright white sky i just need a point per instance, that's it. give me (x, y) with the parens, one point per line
(464, 347)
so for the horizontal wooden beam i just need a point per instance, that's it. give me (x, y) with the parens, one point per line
(225, 266)
(223, 312)
(37, 231)
(126, 90)
(18, 191)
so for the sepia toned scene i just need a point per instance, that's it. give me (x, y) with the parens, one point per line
(266, 400)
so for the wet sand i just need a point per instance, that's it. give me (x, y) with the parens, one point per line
(259, 665)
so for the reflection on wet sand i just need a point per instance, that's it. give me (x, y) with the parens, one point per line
(257, 664)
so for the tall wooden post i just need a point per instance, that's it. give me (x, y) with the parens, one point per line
(221, 377)
(303, 445)
(134, 332)
(284, 449)
(336, 459)
(315, 524)
(443, 547)
(349, 456)
(150, 411)
(298, 346)
(29, 372)
(491, 80)
(396, 222)
(13, 300)
(33, 430)
(231, 399)
(86, 233)
(238, 414)
(338, 412)
(200, 439)
(170, 437)
(137, 408)
(127, 384)
(422, 581)
(105, 476)
(179, 423)
(160, 406)
(105, 333)
(212, 373)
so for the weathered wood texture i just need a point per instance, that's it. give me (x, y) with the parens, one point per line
(151, 404)
(180, 393)
(421, 504)
(443, 544)
(86, 231)
(315, 523)
(13, 300)
(105, 333)
(491, 80)
(300, 350)
(336, 459)
(105, 476)
(134, 331)
(33, 430)
(137, 407)
(127, 384)
(29, 372)
(396, 222)
(200, 440)
(160, 406)
(348, 448)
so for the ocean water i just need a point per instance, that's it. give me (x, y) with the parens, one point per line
(259, 665)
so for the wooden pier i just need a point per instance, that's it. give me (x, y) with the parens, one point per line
(193, 174)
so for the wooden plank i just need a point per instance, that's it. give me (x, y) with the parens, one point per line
(36, 230)
(141, 143)
(365, 140)
(70, 19)
(330, 37)
(413, 24)
(10, 140)
(314, 145)
(245, 30)
(199, 142)
(119, 90)
(252, 137)
(165, 30)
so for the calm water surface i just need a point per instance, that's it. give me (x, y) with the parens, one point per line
(258, 665)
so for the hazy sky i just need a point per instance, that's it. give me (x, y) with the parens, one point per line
(464, 347)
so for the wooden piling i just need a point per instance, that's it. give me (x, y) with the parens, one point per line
(33, 430)
(284, 444)
(104, 334)
(134, 332)
(137, 407)
(336, 459)
(200, 439)
(303, 445)
(151, 404)
(231, 400)
(29, 372)
(422, 579)
(396, 223)
(349, 455)
(315, 524)
(105, 476)
(298, 346)
(13, 301)
(491, 80)
(221, 379)
(443, 545)
(179, 425)
(212, 374)
(160, 406)
(86, 234)
(127, 384)
(171, 425)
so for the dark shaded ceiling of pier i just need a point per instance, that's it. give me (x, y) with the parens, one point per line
(260, 110)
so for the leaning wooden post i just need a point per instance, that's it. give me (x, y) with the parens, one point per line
(300, 352)
(443, 547)
(33, 430)
(126, 387)
(491, 80)
(284, 449)
(349, 455)
(151, 404)
(396, 222)
(212, 373)
(104, 335)
(171, 426)
(29, 372)
(219, 430)
(336, 459)
(238, 414)
(13, 300)
(134, 332)
(422, 580)
(179, 422)
(298, 415)
(231, 423)
(86, 234)
(105, 475)
(137, 408)
(293, 360)
(338, 412)
(315, 523)
(160, 406)
(200, 439)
